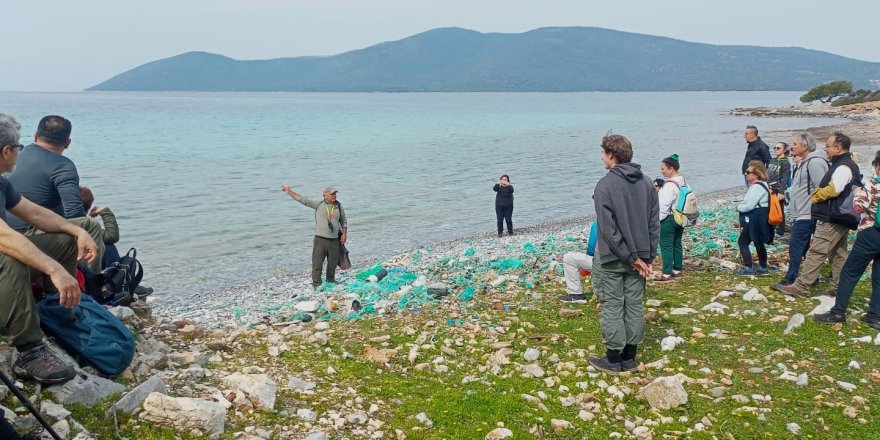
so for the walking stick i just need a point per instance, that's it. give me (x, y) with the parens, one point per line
(27, 404)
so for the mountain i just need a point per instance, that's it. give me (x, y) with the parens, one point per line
(546, 60)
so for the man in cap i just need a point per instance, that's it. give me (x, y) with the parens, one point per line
(331, 231)
(52, 254)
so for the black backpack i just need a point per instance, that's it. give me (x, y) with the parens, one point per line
(121, 278)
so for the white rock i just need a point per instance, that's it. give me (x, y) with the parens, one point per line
(682, 311)
(306, 414)
(866, 339)
(793, 428)
(753, 295)
(559, 425)
(534, 369)
(323, 325)
(423, 419)
(498, 434)
(714, 307)
(642, 433)
(317, 436)
(854, 365)
(185, 414)
(794, 322)
(668, 343)
(825, 305)
(665, 393)
(297, 384)
(586, 415)
(260, 389)
(319, 338)
(53, 411)
(724, 294)
(531, 355)
(307, 306)
(803, 380)
(846, 385)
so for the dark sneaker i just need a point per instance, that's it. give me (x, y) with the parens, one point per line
(791, 290)
(573, 299)
(762, 271)
(143, 291)
(832, 292)
(629, 365)
(605, 365)
(745, 271)
(830, 318)
(873, 321)
(41, 365)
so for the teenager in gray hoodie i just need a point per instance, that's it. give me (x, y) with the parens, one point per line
(628, 213)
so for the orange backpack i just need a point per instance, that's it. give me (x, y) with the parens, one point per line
(775, 216)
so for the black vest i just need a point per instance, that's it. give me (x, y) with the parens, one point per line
(829, 210)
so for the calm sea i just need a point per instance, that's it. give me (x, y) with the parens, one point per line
(195, 178)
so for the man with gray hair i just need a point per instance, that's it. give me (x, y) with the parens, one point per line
(331, 231)
(52, 254)
(811, 167)
(757, 150)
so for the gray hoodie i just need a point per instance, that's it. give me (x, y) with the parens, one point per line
(802, 188)
(628, 214)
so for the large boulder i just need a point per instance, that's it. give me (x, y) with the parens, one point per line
(185, 414)
(665, 393)
(259, 389)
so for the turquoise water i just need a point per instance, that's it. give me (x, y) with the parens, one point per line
(195, 178)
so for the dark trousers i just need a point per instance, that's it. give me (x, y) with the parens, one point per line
(18, 312)
(7, 432)
(780, 228)
(801, 231)
(111, 255)
(744, 240)
(865, 250)
(324, 248)
(670, 245)
(504, 214)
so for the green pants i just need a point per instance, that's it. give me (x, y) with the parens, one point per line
(18, 312)
(620, 290)
(94, 229)
(670, 245)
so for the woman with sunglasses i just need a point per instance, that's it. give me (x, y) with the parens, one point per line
(753, 214)
(779, 170)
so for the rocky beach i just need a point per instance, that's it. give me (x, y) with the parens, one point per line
(466, 339)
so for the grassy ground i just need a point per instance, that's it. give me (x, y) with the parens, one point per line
(469, 400)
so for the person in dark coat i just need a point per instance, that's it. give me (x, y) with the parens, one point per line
(753, 213)
(757, 150)
(504, 204)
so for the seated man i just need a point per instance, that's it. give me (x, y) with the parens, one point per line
(52, 254)
(573, 263)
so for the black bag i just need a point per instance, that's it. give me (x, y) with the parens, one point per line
(122, 277)
(344, 262)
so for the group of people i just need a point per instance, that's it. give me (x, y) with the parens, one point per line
(47, 225)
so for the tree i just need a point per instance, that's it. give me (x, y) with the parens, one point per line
(828, 91)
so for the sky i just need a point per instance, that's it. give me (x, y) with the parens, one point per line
(63, 45)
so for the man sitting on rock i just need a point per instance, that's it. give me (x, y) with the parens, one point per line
(573, 263)
(52, 254)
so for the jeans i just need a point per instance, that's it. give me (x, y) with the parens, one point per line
(801, 231)
(865, 250)
(744, 240)
(111, 255)
(504, 214)
(670, 245)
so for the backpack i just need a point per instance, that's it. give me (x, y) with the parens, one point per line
(685, 211)
(89, 333)
(122, 277)
(775, 216)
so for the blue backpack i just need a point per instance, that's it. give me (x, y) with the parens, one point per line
(89, 332)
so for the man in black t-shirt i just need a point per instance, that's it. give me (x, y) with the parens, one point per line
(52, 254)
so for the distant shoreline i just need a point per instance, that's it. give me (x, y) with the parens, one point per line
(863, 125)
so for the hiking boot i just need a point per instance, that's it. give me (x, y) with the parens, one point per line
(762, 271)
(43, 366)
(143, 290)
(629, 365)
(832, 292)
(791, 290)
(872, 321)
(745, 271)
(605, 365)
(830, 318)
(784, 282)
(573, 299)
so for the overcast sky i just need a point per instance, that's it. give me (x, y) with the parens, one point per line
(62, 45)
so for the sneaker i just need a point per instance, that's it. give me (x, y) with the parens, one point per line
(832, 292)
(629, 365)
(677, 273)
(873, 321)
(790, 290)
(784, 282)
(830, 318)
(762, 271)
(143, 290)
(745, 271)
(605, 365)
(43, 366)
(573, 299)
